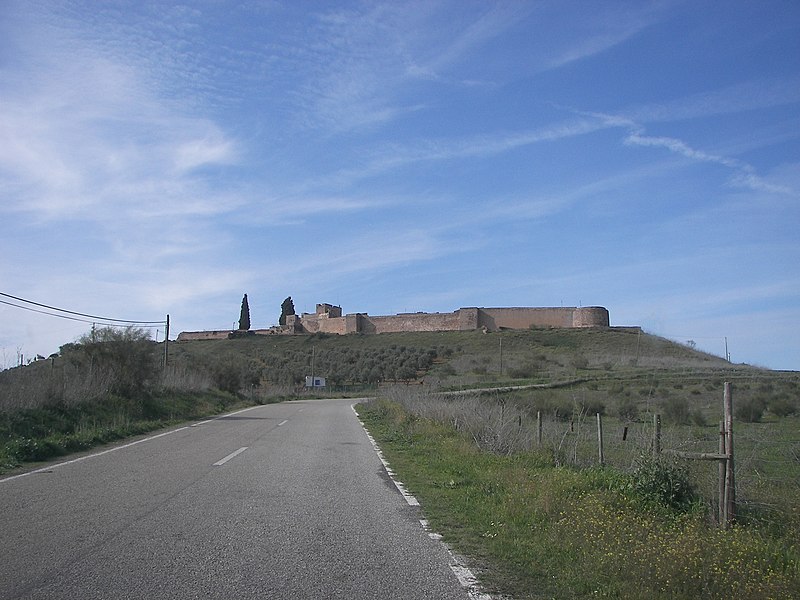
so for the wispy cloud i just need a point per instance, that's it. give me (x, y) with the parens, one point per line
(491, 22)
(739, 97)
(89, 139)
(354, 69)
(398, 156)
(604, 26)
(744, 174)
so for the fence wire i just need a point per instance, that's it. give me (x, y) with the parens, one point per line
(767, 455)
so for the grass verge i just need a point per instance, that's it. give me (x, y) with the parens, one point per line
(536, 531)
(47, 432)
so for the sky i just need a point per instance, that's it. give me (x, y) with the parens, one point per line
(162, 158)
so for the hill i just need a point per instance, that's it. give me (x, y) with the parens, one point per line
(456, 359)
(112, 385)
(608, 365)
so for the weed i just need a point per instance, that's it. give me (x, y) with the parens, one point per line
(663, 481)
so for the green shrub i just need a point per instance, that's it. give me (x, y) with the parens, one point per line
(447, 370)
(525, 371)
(559, 407)
(663, 481)
(124, 356)
(676, 410)
(782, 406)
(227, 378)
(591, 406)
(750, 410)
(580, 362)
(698, 418)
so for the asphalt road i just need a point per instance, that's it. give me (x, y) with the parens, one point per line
(279, 501)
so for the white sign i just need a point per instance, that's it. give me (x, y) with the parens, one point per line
(315, 381)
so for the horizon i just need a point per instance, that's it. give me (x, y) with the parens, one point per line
(398, 157)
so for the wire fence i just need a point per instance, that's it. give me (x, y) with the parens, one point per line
(767, 454)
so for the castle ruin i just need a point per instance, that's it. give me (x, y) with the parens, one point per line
(329, 319)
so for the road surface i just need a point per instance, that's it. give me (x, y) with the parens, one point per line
(279, 501)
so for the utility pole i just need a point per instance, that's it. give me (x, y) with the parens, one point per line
(166, 342)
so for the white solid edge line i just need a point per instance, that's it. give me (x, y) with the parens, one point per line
(462, 573)
(115, 448)
(88, 456)
(230, 456)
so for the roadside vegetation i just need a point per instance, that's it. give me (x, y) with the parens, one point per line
(537, 529)
(108, 385)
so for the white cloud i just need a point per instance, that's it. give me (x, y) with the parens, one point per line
(604, 33)
(736, 98)
(494, 20)
(398, 156)
(198, 152)
(744, 174)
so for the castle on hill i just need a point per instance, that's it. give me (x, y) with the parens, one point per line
(329, 319)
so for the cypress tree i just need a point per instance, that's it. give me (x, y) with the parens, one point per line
(287, 308)
(244, 315)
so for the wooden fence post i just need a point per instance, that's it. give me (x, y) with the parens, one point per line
(722, 470)
(656, 435)
(600, 438)
(730, 482)
(539, 428)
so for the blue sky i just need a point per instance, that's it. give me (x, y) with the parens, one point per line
(401, 156)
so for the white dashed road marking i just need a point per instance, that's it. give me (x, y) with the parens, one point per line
(230, 456)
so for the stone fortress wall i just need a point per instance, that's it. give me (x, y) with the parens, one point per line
(329, 319)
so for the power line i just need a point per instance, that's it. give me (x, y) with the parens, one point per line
(94, 322)
(95, 318)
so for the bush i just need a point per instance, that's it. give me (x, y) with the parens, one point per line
(525, 371)
(122, 359)
(663, 481)
(750, 410)
(228, 379)
(628, 409)
(580, 362)
(447, 370)
(698, 418)
(676, 410)
(590, 406)
(782, 407)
